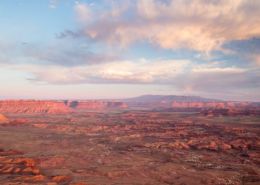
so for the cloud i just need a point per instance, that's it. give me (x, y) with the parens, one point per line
(256, 58)
(10, 53)
(53, 3)
(60, 52)
(202, 25)
(185, 76)
(219, 70)
(115, 40)
(69, 55)
(83, 11)
(138, 72)
(182, 75)
(69, 34)
(226, 80)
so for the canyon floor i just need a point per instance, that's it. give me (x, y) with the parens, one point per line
(128, 147)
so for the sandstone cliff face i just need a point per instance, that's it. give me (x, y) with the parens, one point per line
(55, 107)
(33, 106)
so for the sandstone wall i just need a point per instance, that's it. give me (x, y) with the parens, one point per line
(41, 106)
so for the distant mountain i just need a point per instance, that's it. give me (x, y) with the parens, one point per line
(174, 102)
(169, 98)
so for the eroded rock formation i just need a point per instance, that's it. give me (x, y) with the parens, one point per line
(3, 119)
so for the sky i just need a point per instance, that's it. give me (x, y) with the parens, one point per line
(85, 49)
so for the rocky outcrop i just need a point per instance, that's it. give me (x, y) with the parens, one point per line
(20, 168)
(25, 170)
(3, 119)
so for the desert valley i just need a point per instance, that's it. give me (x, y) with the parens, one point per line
(130, 92)
(148, 140)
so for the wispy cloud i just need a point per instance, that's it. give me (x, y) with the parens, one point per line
(67, 54)
(141, 71)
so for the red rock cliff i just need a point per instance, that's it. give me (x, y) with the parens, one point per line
(33, 106)
(37, 106)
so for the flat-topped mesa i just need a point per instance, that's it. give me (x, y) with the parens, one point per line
(33, 106)
(96, 105)
(56, 107)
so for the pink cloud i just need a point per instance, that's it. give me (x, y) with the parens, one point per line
(200, 25)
